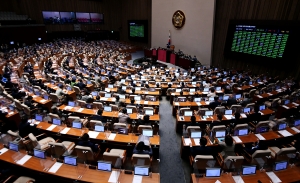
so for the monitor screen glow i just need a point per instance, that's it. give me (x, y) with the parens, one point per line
(107, 108)
(196, 134)
(56, 121)
(188, 113)
(107, 95)
(209, 113)
(13, 146)
(137, 98)
(149, 112)
(70, 160)
(148, 132)
(71, 103)
(297, 122)
(246, 110)
(76, 124)
(225, 97)
(249, 170)
(104, 166)
(243, 132)
(262, 107)
(39, 154)
(139, 170)
(38, 117)
(129, 110)
(99, 128)
(213, 172)
(220, 133)
(228, 112)
(281, 126)
(281, 165)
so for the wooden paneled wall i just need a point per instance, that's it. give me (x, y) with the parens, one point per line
(284, 10)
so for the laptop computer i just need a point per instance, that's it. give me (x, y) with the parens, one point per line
(249, 170)
(13, 146)
(72, 103)
(242, 132)
(46, 97)
(211, 99)
(281, 126)
(99, 128)
(213, 172)
(218, 88)
(39, 153)
(246, 110)
(129, 110)
(282, 165)
(197, 99)
(141, 170)
(228, 112)
(124, 87)
(94, 93)
(69, 88)
(220, 135)
(89, 106)
(122, 96)
(77, 124)
(107, 108)
(297, 122)
(38, 117)
(123, 131)
(207, 114)
(178, 90)
(147, 132)
(262, 107)
(192, 90)
(104, 166)
(137, 98)
(205, 89)
(263, 129)
(149, 112)
(70, 160)
(188, 113)
(225, 97)
(196, 134)
(107, 95)
(238, 96)
(56, 121)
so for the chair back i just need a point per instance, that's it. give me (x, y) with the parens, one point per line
(57, 149)
(77, 90)
(141, 160)
(236, 108)
(81, 103)
(119, 125)
(95, 122)
(54, 97)
(84, 153)
(26, 110)
(97, 105)
(201, 162)
(141, 127)
(189, 128)
(233, 162)
(219, 110)
(181, 110)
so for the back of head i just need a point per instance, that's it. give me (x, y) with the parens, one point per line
(203, 141)
(193, 119)
(124, 111)
(219, 116)
(228, 140)
(85, 137)
(100, 111)
(146, 118)
(140, 146)
(237, 115)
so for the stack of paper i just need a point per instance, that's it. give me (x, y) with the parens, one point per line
(93, 134)
(23, 160)
(145, 102)
(50, 128)
(187, 141)
(80, 110)
(285, 106)
(197, 142)
(295, 129)
(273, 177)
(55, 167)
(65, 130)
(112, 136)
(3, 150)
(237, 139)
(285, 133)
(260, 137)
(114, 176)
(238, 179)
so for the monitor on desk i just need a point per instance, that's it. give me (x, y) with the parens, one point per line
(213, 172)
(104, 166)
(246, 110)
(110, 86)
(297, 122)
(11, 107)
(56, 121)
(137, 88)
(218, 88)
(211, 99)
(123, 131)
(225, 79)
(209, 113)
(137, 98)
(194, 83)
(188, 113)
(107, 95)
(89, 106)
(122, 81)
(141, 170)
(228, 112)
(281, 126)
(263, 129)
(107, 108)
(206, 89)
(13, 146)
(99, 128)
(69, 88)
(72, 103)
(4, 80)
(238, 96)
(178, 90)
(192, 90)
(262, 107)
(149, 112)
(148, 132)
(70, 160)
(282, 165)
(39, 153)
(37, 92)
(46, 97)
(129, 110)
(94, 93)
(76, 124)
(221, 133)
(124, 87)
(249, 170)
(196, 134)
(197, 99)
(225, 97)
(250, 82)
(38, 117)
(122, 96)
(286, 102)
(242, 132)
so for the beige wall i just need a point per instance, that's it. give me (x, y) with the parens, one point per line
(195, 38)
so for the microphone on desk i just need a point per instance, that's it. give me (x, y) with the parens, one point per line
(259, 181)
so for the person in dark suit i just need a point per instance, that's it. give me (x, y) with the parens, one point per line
(259, 145)
(144, 121)
(99, 116)
(80, 84)
(85, 142)
(29, 103)
(140, 148)
(256, 116)
(67, 80)
(231, 101)
(246, 100)
(25, 128)
(202, 149)
(215, 103)
(193, 122)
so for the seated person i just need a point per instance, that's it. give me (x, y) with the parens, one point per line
(80, 84)
(140, 148)
(227, 147)
(25, 128)
(144, 121)
(215, 103)
(123, 116)
(59, 92)
(86, 95)
(216, 122)
(256, 116)
(211, 93)
(85, 142)
(29, 103)
(231, 100)
(193, 122)
(202, 149)
(99, 116)
(259, 145)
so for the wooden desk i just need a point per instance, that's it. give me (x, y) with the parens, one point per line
(70, 172)
(72, 94)
(142, 92)
(143, 102)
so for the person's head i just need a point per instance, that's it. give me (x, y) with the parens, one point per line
(228, 140)
(67, 76)
(219, 116)
(99, 112)
(212, 90)
(193, 119)
(237, 115)
(256, 108)
(146, 118)
(124, 111)
(216, 98)
(29, 98)
(132, 101)
(140, 146)
(85, 137)
(247, 95)
(203, 141)
(97, 97)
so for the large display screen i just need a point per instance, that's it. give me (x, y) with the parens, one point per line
(55, 17)
(138, 30)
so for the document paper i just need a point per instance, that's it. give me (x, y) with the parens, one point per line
(273, 177)
(24, 159)
(260, 137)
(55, 167)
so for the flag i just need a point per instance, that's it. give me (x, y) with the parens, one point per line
(169, 41)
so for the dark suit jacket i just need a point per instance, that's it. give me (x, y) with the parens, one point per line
(99, 118)
(81, 85)
(88, 144)
(214, 104)
(201, 150)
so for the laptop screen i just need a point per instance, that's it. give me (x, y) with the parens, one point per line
(263, 129)
(38, 117)
(137, 98)
(249, 170)
(206, 89)
(123, 131)
(122, 96)
(70, 160)
(195, 134)
(56, 121)
(107, 95)
(104, 166)
(138, 88)
(188, 113)
(123, 87)
(218, 88)
(280, 165)
(228, 112)
(110, 86)
(178, 90)
(13, 146)
(281, 126)
(262, 107)
(76, 124)
(225, 97)
(286, 102)
(192, 90)
(99, 128)
(72, 103)
(197, 99)
(39, 153)
(220, 133)
(243, 132)
(148, 132)
(149, 112)
(140, 170)
(297, 122)
(89, 106)
(46, 97)
(246, 110)
(211, 99)
(238, 96)
(4, 80)
(107, 108)
(129, 110)
(213, 172)
(94, 93)
(209, 113)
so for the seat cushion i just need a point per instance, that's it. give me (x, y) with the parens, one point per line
(23, 179)
(120, 152)
(42, 144)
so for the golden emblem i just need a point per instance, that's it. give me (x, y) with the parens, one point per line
(178, 19)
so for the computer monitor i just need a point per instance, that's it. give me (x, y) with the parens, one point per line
(225, 97)
(178, 90)
(243, 131)
(192, 90)
(99, 128)
(104, 166)
(206, 89)
(147, 132)
(70, 160)
(38, 117)
(123, 131)
(137, 88)
(56, 121)
(211, 99)
(282, 165)
(221, 133)
(122, 96)
(89, 106)
(94, 93)
(129, 110)
(88, 82)
(263, 129)
(286, 102)
(281, 126)
(149, 112)
(209, 113)
(124, 87)
(137, 98)
(195, 134)
(39, 153)
(213, 172)
(250, 82)
(194, 83)
(72, 103)
(110, 86)
(107, 95)
(37, 92)
(188, 113)
(224, 79)
(11, 107)
(262, 107)
(238, 96)
(297, 122)
(76, 124)
(69, 88)
(197, 99)
(4, 80)
(46, 97)
(249, 170)
(247, 110)
(141, 170)
(13, 146)
(107, 108)
(228, 112)
(218, 88)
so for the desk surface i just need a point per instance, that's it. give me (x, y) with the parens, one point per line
(71, 172)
